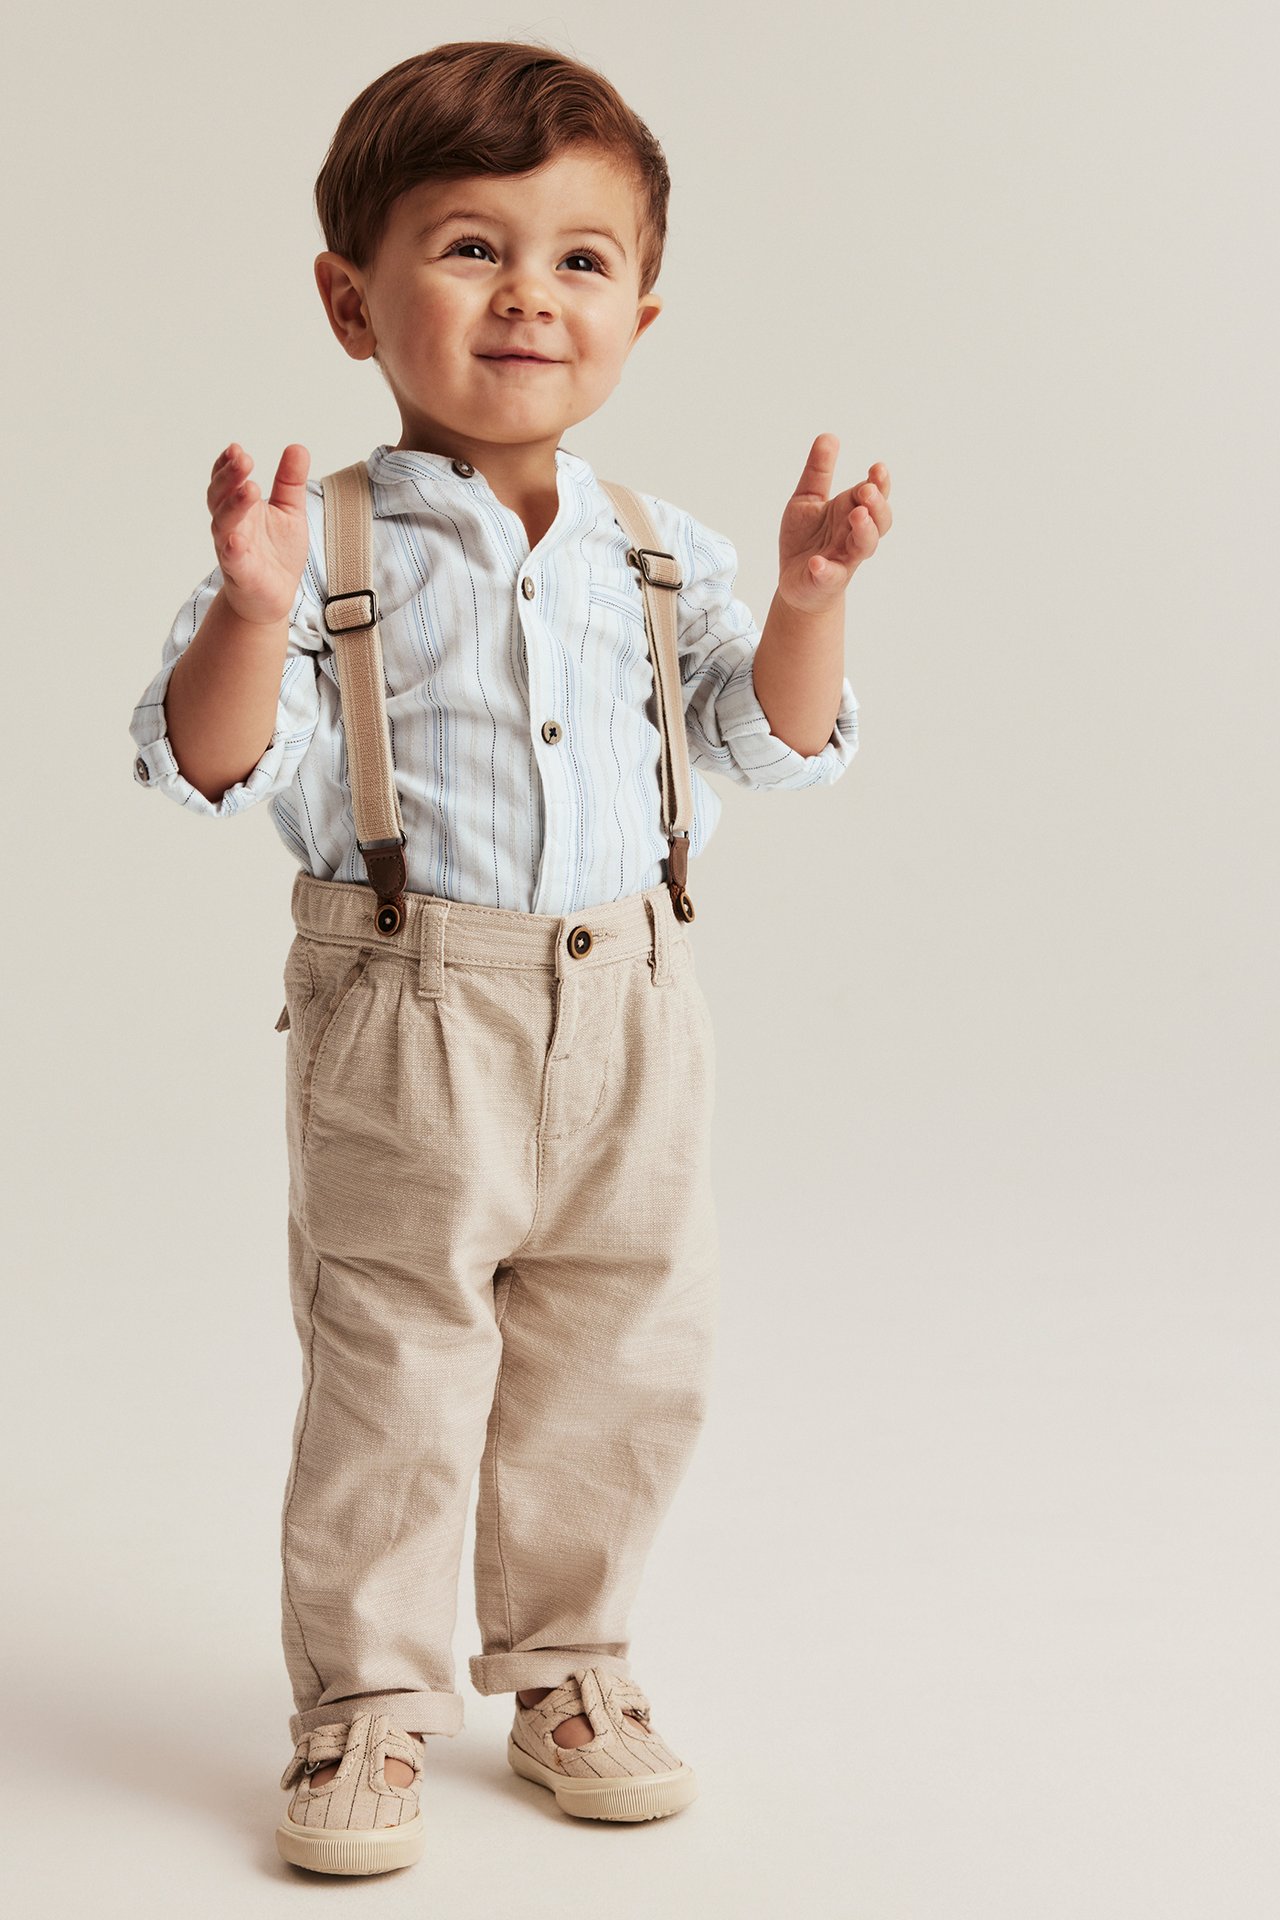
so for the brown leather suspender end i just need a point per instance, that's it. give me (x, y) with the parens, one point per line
(677, 874)
(388, 876)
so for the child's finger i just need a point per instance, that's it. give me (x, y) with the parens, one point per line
(229, 472)
(233, 506)
(229, 457)
(231, 482)
(290, 487)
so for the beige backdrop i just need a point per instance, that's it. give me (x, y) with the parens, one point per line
(993, 1454)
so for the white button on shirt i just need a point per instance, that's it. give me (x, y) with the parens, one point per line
(519, 695)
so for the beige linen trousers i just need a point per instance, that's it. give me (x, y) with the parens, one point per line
(503, 1247)
(502, 1254)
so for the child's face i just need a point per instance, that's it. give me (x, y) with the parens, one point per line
(435, 305)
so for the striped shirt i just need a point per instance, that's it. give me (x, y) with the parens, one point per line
(495, 814)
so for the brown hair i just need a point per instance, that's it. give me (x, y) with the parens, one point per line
(480, 106)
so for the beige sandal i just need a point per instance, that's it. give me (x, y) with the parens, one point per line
(357, 1822)
(626, 1771)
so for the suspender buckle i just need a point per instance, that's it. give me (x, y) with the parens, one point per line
(668, 576)
(346, 625)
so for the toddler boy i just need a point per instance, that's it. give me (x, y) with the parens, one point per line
(502, 1241)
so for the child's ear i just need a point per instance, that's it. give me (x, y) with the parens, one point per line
(649, 309)
(341, 289)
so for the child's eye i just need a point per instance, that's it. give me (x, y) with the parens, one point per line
(579, 253)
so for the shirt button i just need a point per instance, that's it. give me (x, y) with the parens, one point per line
(551, 730)
(140, 768)
(463, 468)
(526, 587)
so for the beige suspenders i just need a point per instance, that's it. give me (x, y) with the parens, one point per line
(351, 618)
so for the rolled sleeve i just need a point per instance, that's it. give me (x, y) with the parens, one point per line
(727, 728)
(155, 765)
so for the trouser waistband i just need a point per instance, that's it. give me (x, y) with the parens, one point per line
(437, 932)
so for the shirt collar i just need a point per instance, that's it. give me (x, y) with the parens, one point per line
(405, 477)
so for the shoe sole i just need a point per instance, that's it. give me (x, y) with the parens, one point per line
(352, 1849)
(639, 1797)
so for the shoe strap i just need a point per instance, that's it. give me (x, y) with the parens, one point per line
(604, 1698)
(317, 1747)
(402, 1746)
(321, 1746)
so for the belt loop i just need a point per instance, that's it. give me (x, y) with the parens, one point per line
(432, 915)
(658, 903)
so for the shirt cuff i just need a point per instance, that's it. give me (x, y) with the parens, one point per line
(770, 762)
(156, 767)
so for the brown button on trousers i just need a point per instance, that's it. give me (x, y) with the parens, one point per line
(503, 1255)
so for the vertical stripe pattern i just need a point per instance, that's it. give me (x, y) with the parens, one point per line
(478, 664)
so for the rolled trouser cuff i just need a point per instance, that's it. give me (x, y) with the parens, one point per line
(412, 1712)
(540, 1667)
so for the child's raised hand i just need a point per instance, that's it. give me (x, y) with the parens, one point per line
(823, 541)
(261, 544)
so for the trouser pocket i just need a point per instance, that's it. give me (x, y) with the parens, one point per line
(299, 987)
(318, 975)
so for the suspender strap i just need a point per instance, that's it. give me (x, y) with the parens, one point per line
(351, 617)
(660, 581)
